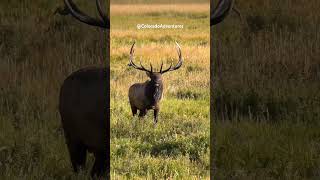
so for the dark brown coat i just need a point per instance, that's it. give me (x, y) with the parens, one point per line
(84, 103)
(84, 111)
(146, 96)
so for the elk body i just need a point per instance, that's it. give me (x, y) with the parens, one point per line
(147, 95)
(84, 105)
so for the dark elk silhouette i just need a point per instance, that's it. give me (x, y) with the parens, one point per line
(84, 104)
(147, 95)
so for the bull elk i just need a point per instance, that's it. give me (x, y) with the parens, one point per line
(147, 95)
(84, 96)
(84, 104)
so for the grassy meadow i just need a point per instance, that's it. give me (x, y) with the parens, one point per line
(38, 50)
(265, 91)
(178, 146)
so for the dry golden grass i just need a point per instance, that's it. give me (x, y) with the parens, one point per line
(140, 9)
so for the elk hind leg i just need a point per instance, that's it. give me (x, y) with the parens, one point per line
(78, 155)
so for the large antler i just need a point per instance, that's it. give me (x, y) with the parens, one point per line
(71, 8)
(222, 10)
(177, 66)
(131, 63)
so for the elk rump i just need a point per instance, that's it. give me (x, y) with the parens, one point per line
(84, 111)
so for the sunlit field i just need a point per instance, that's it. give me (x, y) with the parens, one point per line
(265, 94)
(178, 146)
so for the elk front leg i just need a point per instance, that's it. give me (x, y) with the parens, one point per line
(134, 110)
(78, 153)
(155, 115)
(142, 113)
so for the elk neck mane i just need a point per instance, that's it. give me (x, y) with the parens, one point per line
(153, 92)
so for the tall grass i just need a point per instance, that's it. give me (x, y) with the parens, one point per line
(38, 51)
(178, 146)
(265, 91)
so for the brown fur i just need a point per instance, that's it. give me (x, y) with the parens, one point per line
(84, 111)
(146, 96)
(84, 103)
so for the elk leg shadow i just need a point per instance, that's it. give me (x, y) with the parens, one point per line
(78, 155)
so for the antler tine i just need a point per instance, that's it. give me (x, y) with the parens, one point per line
(132, 48)
(79, 15)
(62, 11)
(221, 11)
(179, 54)
(103, 15)
(143, 68)
(151, 67)
(131, 63)
(161, 67)
(131, 55)
(166, 70)
(178, 65)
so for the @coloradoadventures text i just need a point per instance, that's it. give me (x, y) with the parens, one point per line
(159, 26)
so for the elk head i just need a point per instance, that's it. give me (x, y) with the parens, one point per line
(145, 96)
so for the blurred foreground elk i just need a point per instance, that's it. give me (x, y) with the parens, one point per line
(147, 95)
(84, 105)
